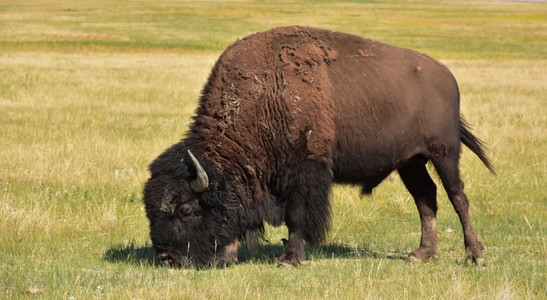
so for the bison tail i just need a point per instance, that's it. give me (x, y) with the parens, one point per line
(474, 144)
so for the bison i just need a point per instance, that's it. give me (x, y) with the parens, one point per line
(285, 114)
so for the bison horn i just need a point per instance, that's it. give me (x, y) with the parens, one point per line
(201, 183)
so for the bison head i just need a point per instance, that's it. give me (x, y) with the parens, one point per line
(189, 223)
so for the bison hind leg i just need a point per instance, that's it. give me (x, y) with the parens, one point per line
(424, 191)
(448, 170)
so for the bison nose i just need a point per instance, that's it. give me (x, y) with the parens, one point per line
(169, 258)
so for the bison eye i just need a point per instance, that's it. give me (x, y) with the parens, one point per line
(185, 210)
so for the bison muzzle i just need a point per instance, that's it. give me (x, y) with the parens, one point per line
(285, 114)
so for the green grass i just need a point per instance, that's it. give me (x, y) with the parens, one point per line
(92, 91)
(467, 29)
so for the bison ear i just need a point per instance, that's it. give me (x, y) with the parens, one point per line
(201, 183)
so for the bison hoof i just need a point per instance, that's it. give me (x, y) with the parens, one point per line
(287, 260)
(478, 261)
(284, 265)
(474, 255)
(422, 253)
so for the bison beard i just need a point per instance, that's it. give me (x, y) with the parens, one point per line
(285, 114)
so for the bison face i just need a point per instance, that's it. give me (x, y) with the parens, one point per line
(188, 222)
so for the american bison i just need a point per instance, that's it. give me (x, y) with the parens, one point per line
(285, 114)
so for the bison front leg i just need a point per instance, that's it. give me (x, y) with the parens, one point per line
(307, 216)
(423, 190)
(295, 219)
(294, 251)
(230, 253)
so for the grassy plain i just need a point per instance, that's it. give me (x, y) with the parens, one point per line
(92, 91)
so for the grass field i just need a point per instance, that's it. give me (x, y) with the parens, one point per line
(92, 91)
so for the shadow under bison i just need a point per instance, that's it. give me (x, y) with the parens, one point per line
(266, 254)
